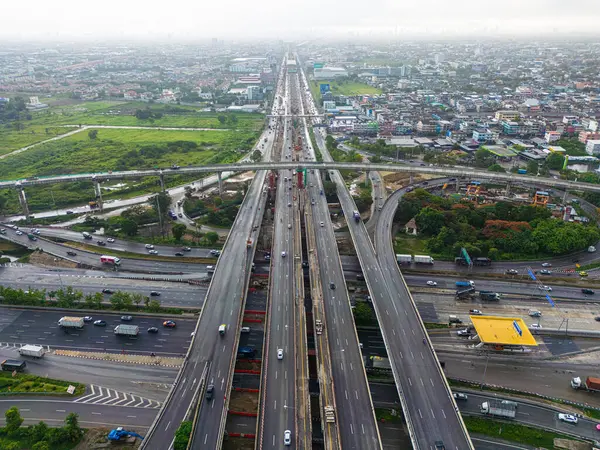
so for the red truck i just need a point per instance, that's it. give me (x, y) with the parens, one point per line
(590, 384)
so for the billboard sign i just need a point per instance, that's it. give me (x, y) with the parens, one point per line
(324, 87)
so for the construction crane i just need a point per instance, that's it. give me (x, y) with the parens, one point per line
(117, 434)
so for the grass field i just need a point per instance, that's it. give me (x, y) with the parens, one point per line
(48, 123)
(408, 245)
(345, 88)
(24, 383)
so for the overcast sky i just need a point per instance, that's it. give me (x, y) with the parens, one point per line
(295, 19)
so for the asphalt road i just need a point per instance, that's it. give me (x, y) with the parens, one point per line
(430, 411)
(278, 407)
(93, 258)
(212, 354)
(356, 422)
(41, 328)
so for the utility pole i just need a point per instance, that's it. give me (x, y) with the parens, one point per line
(162, 231)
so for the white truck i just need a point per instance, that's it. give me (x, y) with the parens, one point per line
(37, 351)
(127, 330)
(111, 260)
(71, 322)
(499, 408)
(404, 259)
(423, 259)
(319, 326)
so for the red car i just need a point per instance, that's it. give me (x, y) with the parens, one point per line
(169, 324)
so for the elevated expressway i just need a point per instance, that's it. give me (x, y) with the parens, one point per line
(211, 356)
(354, 411)
(426, 399)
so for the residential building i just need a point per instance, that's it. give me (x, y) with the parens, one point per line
(35, 104)
(328, 105)
(483, 135)
(585, 136)
(593, 147)
(130, 95)
(507, 115)
(589, 124)
(551, 136)
(254, 93)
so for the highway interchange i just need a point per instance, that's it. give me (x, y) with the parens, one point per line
(211, 356)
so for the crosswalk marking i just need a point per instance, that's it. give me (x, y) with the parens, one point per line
(104, 396)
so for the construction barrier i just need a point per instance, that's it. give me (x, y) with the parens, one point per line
(257, 312)
(242, 413)
(242, 435)
(252, 372)
(252, 320)
(238, 389)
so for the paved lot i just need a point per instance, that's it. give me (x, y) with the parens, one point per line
(41, 327)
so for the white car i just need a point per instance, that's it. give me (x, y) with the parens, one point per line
(463, 332)
(153, 252)
(475, 312)
(149, 246)
(569, 418)
(546, 265)
(289, 226)
(322, 224)
(535, 325)
(431, 283)
(283, 254)
(111, 240)
(545, 288)
(19, 233)
(279, 353)
(287, 437)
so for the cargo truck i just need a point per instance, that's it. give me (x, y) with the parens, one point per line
(404, 259)
(591, 384)
(423, 259)
(71, 322)
(521, 171)
(127, 330)
(380, 362)
(498, 408)
(31, 237)
(465, 292)
(87, 235)
(36, 351)
(356, 216)
(464, 284)
(482, 261)
(489, 296)
(13, 365)
(111, 260)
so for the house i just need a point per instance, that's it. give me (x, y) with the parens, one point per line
(411, 227)
(130, 95)
(551, 136)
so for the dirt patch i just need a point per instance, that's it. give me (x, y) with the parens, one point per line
(46, 260)
(244, 401)
(96, 438)
(125, 358)
(235, 443)
(571, 445)
(247, 365)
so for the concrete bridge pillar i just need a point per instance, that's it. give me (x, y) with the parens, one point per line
(23, 202)
(457, 185)
(162, 182)
(220, 180)
(564, 200)
(507, 192)
(98, 195)
(411, 178)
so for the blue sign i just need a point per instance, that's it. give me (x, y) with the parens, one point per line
(550, 300)
(325, 87)
(518, 328)
(531, 275)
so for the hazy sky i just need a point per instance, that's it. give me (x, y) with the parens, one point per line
(59, 19)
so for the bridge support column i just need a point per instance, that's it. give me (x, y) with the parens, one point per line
(23, 202)
(161, 177)
(98, 195)
(220, 180)
(564, 200)
(457, 185)
(507, 191)
(411, 178)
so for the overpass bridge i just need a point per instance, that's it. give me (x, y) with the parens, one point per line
(439, 171)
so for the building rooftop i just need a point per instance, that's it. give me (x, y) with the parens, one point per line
(503, 330)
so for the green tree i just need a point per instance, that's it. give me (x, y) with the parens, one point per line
(532, 168)
(483, 158)
(211, 237)
(38, 432)
(154, 306)
(178, 231)
(137, 298)
(496, 168)
(182, 436)
(256, 156)
(72, 427)
(41, 445)
(118, 300)
(13, 420)
(129, 227)
(11, 446)
(363, 314)
(233, 118)
(93, 134)
(222, 119)
(430, 221)
(68, 298)
(555, 161)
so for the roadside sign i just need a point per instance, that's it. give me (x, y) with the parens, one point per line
(517, 328)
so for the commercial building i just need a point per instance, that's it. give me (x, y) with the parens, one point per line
(592, 147)
(551, 136)
(507, 115)
(329, 73)
(484, 135)
(585, 136)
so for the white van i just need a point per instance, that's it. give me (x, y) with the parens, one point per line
(210, 269)
(222, 329)
(245, 330)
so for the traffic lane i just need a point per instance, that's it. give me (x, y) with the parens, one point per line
(172, 294)
(54, 411)
(41, 328)
(352, 395)
(535, 415)
(121, 244)
(93, 259)
(147, 381)
(507, 287)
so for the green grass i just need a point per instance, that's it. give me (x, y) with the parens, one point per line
(341, 87)
(384, 414)
(11, 140)
(32, 384)
(513, 432)
(25, 443)
(404, 244)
